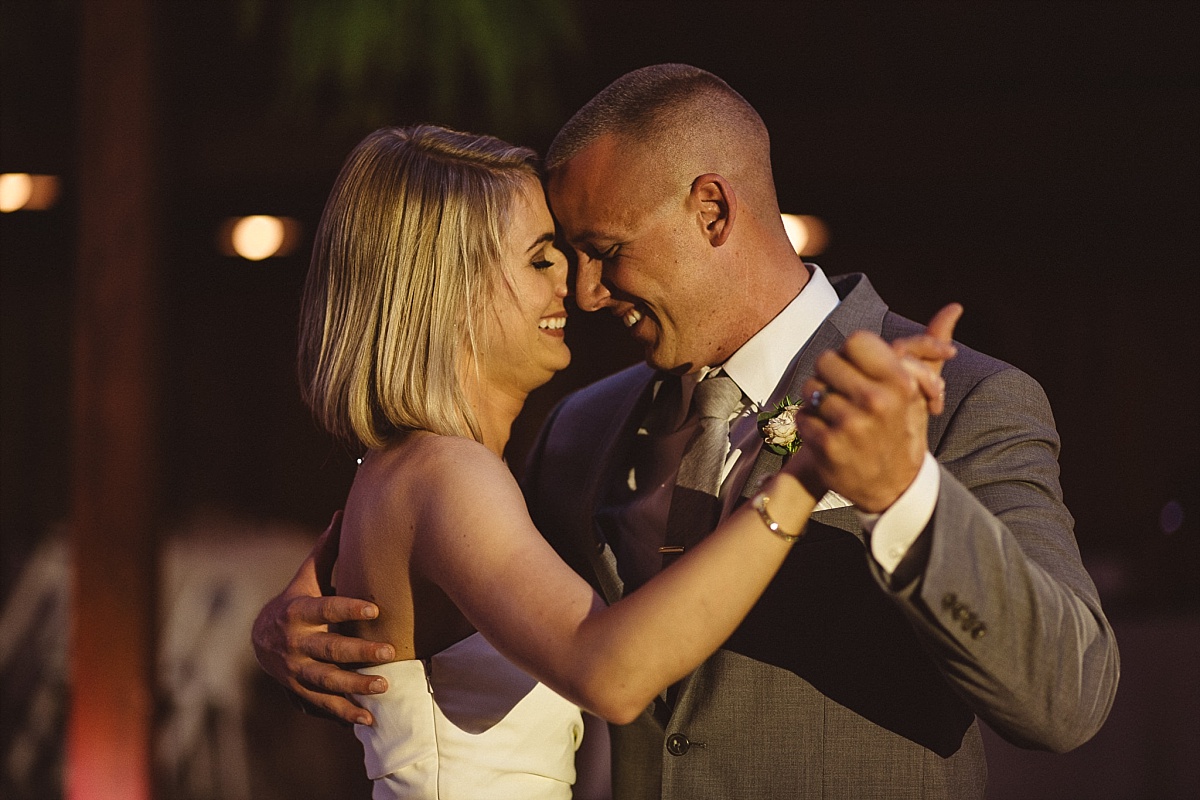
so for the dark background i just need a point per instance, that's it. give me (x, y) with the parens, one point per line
(1037, 162)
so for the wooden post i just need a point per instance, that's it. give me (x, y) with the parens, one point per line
(114, 478)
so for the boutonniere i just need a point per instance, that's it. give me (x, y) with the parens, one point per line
(778, 428)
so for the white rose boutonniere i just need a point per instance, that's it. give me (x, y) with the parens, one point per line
(778, 428)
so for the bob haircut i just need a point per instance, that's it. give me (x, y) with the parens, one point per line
(406, 255)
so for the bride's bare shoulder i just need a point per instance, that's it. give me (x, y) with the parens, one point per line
(433, 465)
(437, 483)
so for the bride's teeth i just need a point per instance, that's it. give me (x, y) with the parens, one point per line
(631, 317)
(553, 323)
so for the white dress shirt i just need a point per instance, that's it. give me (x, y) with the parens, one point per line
(759, 368)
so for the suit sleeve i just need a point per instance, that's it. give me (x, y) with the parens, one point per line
(1003, 601)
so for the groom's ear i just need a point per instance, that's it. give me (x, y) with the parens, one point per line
(716, 207)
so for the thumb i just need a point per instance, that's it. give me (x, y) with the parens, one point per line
(942, 325)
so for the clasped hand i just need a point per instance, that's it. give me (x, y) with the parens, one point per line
(866, 434)
(866, 441)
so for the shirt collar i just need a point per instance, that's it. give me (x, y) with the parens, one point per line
(759, 365)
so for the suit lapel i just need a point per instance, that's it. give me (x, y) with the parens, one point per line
(860, 309)
(614, 449)
(827, 337)
(844, 518)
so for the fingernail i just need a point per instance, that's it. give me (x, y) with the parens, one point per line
(378, 686)
(385, 653)
(362, 719)
(370, 612)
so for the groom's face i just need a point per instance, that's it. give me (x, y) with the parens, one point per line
(640, 252)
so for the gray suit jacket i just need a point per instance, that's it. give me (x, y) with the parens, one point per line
(842, 683)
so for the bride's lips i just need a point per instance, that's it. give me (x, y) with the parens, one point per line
(554, 325)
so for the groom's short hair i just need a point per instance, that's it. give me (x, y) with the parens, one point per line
(673, 115)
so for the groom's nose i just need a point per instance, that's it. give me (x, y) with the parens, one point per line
(590, 292)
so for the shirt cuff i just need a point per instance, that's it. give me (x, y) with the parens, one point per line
(893, 532)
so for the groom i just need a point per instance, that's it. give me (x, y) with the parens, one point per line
(932, 589)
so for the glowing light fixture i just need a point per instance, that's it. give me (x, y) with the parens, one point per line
(259, 236)
(22, 191)
(808, 235)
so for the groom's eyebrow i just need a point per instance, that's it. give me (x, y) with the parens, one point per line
(545, 237)
(589, 235)
(582, 236)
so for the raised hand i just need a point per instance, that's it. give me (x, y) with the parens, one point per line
(867, 408)
(294, 645)
(925, 354)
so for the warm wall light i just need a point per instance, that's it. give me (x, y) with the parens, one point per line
(22, 191)
(808, 235)
(257, 237)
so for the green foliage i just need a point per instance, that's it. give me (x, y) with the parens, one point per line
(483, 63)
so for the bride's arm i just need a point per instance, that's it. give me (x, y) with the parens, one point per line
(290, 637)
(478, 544)
(475, 540)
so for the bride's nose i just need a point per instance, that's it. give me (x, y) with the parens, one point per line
(562, 286)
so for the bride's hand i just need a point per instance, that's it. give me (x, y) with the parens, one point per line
(924, 355)
(866, 413)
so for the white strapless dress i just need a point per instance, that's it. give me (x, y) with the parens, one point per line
(467, 724)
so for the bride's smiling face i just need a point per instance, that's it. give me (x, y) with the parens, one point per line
(524, 345)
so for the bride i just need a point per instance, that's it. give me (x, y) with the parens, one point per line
(434, 304)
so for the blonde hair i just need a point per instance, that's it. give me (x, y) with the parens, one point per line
(406, 254)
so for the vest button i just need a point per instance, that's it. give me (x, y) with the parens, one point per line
(678, 744)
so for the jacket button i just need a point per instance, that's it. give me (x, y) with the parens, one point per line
(678, 744)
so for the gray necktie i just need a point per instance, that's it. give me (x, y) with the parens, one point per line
(695, 507)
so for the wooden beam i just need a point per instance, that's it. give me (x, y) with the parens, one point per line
(113, 476)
